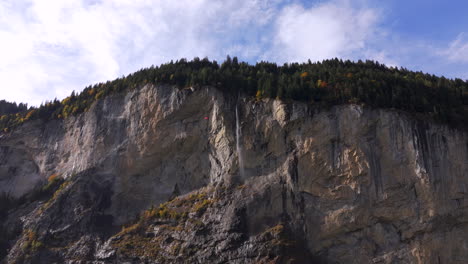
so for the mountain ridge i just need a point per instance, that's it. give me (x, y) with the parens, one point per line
(327, 83)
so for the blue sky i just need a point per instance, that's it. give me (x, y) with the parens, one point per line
(50, 48)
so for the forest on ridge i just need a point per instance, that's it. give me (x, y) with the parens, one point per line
(331, 82)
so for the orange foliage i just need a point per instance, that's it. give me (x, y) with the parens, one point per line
(30, 235)
(99, 95)
(91, 91)
(52, 177)
(321, 84)
(29, 114)
(304, 74)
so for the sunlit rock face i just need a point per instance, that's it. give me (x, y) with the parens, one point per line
(345, 184)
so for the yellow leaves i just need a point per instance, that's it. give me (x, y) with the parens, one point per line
(74, 110)
(91, 91)
(304, 74)
(99, 95)
(278, 229)
(129, 229)
(201, 206)
(258, 95)
(29, 114)
(66, 101)
(321, 84)
(150, 213)
(31, 241)
(66, 111)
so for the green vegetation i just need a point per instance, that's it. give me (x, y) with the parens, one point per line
(31, 242)
(326, 83)
(7, 203)
(54, 183)
(58, 186)
(176, 210)
(7, 108)
(178, 215)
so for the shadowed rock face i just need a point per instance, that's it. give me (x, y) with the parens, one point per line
(346, 185)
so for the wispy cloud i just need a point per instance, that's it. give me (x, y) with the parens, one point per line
(49, 48)
(457, 50)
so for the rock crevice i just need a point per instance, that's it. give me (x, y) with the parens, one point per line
(341, 185)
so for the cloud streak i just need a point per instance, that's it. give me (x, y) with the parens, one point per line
(49, 48)
(458, 49)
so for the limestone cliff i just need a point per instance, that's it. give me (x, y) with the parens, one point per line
(341, 185)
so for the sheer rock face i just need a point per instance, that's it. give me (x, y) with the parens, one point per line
(349, 184)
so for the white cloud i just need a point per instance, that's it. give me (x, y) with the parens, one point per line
(457, 50)
(326, 30)
(49, 48)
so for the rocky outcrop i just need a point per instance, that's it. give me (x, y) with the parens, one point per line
(341, 185)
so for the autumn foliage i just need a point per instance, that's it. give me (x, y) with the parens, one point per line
(326, 83)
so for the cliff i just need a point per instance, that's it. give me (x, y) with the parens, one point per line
(153, 176)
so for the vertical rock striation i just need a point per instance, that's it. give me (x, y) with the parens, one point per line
(347, 184)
